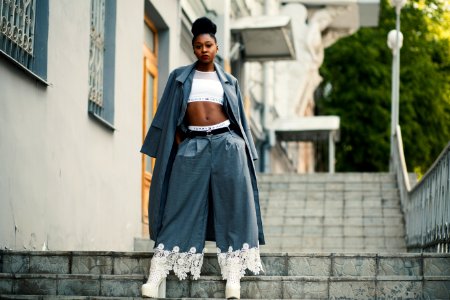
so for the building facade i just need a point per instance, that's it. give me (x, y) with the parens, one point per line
(79, 84)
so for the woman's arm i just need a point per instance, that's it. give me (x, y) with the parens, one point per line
(179, 136)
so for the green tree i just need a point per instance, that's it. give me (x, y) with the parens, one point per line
(357, 87)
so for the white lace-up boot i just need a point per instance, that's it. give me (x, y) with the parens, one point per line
(233, 286)
(156, 283)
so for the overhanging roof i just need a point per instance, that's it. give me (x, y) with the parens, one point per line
(366, 13)
(265, 37)
(307, 128)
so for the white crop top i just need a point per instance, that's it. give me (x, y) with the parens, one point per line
(206, 86)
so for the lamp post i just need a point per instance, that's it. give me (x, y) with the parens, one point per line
(395, 42)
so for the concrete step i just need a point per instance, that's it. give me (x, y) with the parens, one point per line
(333, 229)
(337, 232)
(347, 212)
(293, 275)
(292, 195)
(59, 297)
(279, 263)
(320, 230)
(327, 177)
(269, 287)
(331, 199)
(328, 187)
(332, 220)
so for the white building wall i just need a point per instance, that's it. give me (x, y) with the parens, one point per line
(170, 11)
(65, 180)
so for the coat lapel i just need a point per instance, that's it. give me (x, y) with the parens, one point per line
(229, 90)
(185, 79)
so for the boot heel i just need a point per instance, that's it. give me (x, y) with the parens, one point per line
(150, 291)
(162, 289)
(233, 292)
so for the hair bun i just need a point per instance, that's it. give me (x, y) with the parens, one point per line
(203, 25)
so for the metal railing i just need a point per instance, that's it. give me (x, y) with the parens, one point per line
(426, 206)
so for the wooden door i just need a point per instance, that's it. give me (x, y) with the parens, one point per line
(149, 104)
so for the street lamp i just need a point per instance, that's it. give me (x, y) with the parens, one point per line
(395, 42)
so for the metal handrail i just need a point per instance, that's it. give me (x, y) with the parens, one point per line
(426, 206)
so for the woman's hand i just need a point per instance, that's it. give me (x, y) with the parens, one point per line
(179, 136)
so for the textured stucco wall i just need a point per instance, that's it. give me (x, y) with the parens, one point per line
(64, 179)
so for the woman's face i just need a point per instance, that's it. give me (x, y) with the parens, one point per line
(205, 48)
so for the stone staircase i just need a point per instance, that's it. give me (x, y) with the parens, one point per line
(329, 236)
(119, 275)
(342, 212)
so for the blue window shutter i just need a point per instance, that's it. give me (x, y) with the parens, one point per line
(109, 63)
(104, 111)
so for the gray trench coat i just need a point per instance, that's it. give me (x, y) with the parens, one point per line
(160, 139)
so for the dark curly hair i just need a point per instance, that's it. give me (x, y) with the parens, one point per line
(203, 25)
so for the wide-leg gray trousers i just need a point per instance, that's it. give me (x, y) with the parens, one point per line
(210, 174)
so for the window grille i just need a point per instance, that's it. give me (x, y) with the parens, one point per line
(23, 34)
(96, 57)
(101, 61)
(17, 27)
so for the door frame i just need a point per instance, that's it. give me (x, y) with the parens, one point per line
(150, 65)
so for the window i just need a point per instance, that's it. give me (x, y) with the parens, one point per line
(101, 61)
(24, 35)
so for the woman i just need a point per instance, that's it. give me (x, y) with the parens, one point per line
(204, 184)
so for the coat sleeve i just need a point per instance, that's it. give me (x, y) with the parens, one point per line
(153, 136)
(244, 122)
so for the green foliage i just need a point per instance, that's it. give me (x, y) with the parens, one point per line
(358, 69)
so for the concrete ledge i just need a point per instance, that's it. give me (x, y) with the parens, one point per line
(281, 263)
(261, 287)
